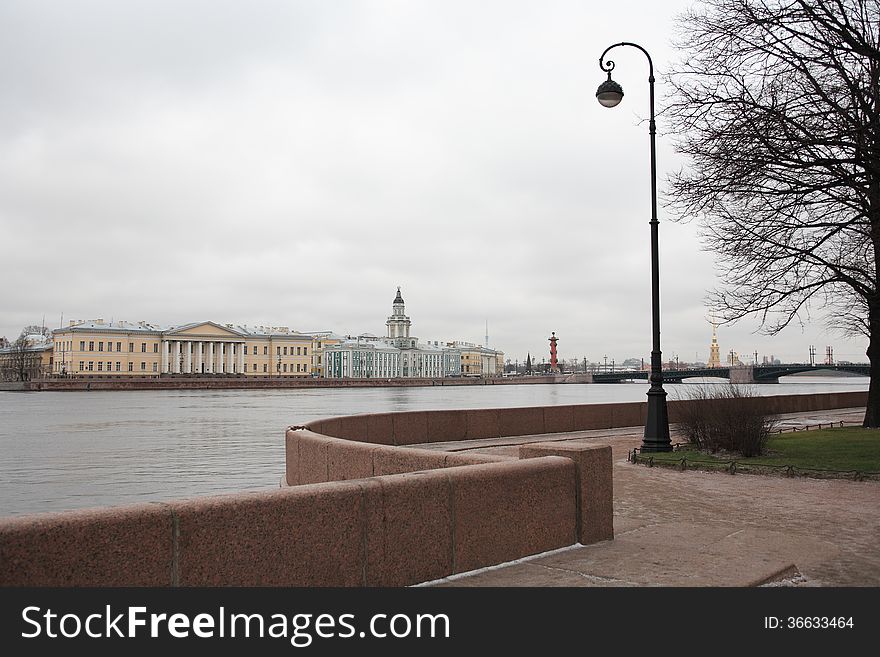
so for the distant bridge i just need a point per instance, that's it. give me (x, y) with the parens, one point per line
(745, 374)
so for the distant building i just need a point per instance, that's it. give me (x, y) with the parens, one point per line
(29, 357)
(127, 349)
(201, 348)
(400, 355)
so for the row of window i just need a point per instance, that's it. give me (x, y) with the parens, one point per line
(302, 368)
(101, 366)
(279, 351)
(101, 343)
(108, 366)
(300, 351)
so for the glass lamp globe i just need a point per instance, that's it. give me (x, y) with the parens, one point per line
(609, 93)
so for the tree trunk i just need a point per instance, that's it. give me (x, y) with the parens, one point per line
(872, 412)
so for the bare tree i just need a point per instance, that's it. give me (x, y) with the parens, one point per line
(777, 106)
(21, 362)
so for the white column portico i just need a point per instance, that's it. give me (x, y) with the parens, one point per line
(230, 356)
(241, 350)
(210, 363)
(220, 346)
(176, 364)
(200, 356)
(188, 361)
(166, 356)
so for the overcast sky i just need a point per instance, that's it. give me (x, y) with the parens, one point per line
(290, 163)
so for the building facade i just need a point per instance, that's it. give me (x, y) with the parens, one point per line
(127, 349)
(477, 360)
(400, 355)
(29, 357)
(202, 348)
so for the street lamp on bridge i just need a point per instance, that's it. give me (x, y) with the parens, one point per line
(609, 94)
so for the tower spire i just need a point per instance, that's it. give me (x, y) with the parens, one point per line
(398, 323)
(714, 351)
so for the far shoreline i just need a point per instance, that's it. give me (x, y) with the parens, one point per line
(264, 383)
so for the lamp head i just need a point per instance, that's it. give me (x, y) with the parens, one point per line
(609, 93)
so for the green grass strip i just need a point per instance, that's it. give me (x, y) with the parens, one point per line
(844, 449)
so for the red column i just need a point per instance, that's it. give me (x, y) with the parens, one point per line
(553, 340)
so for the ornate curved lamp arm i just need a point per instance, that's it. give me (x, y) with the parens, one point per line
(609, 65)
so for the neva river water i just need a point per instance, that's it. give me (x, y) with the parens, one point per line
(71, 450)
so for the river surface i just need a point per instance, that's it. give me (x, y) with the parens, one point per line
(71, 450)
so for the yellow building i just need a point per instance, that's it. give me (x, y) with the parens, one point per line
(470, 362)
(479, 361)
(322, 340)
(201, 348)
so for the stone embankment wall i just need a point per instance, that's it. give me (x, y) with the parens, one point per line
(371, 511)
(418, 427)
(210, 382)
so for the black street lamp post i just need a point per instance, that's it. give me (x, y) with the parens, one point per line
(656, 437)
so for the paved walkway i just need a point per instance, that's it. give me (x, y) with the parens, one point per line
(709, 529)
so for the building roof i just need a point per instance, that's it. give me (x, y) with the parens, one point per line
(31, 348)
(119, 325)
(123, 326)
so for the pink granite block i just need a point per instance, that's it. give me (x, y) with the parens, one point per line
(350, 427)
(594, 482)
(675, 408)
(454, 460)
(347, 459)
(779, 405)
(590, 416)
(762, 405)
(482, 423)
(317, 426)
(558, 419)
(121, 546)
(798, 403)
(299, 536)
(397, 460)
(291, 457)
(380, 429)
(313, 463)
(410, 428)
(521, 421)
(631, 414)
(506, 511)
(330, 426)
(409, 529)
(445, 426)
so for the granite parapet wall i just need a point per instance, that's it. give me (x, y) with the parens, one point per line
(419, 427)
(314, 458)
(392, 530)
